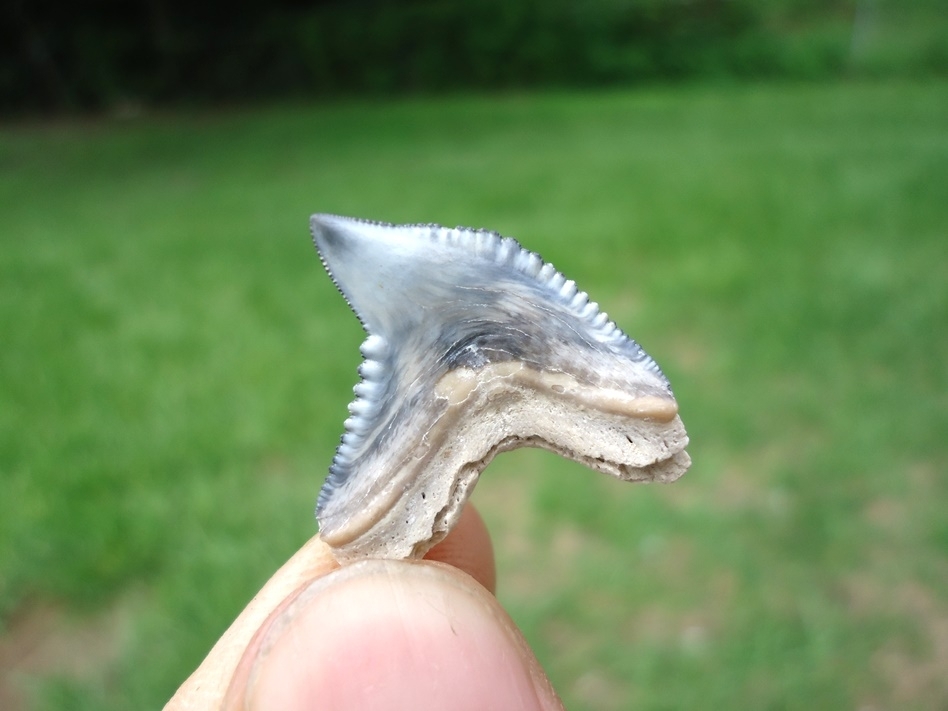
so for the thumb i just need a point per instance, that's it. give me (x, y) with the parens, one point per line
(391, 635)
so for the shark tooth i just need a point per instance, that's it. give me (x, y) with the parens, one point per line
(475, 346)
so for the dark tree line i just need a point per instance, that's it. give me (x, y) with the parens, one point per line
(59, 55)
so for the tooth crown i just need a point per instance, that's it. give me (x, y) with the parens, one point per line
(458, 308)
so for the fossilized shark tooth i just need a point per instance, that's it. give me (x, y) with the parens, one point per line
(475, 346)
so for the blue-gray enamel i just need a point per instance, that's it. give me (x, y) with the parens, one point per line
(433, 300)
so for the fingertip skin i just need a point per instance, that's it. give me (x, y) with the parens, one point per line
(468, 548)
(387, 635)
(207, 686)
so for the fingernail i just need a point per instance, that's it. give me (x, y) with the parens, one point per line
(386, 635)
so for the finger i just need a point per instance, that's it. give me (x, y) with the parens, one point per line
(468, 548)
(392, 635)
(205, 688)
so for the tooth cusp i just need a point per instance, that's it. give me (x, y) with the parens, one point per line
(529, 262)
(589, 311)
(371, 370)
(546, 273)
(506, 249)
(361, 407)
(374, 347)
(356, 425)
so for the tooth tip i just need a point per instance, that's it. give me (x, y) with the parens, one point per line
(318, 224)
(325, 219)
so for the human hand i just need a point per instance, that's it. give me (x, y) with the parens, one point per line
(377, 635)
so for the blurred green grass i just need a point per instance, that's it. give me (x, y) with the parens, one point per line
(175, 367)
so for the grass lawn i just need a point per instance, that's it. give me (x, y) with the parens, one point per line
(175, 368)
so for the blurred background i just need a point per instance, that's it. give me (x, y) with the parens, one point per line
(124, 55)
(757, 192)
